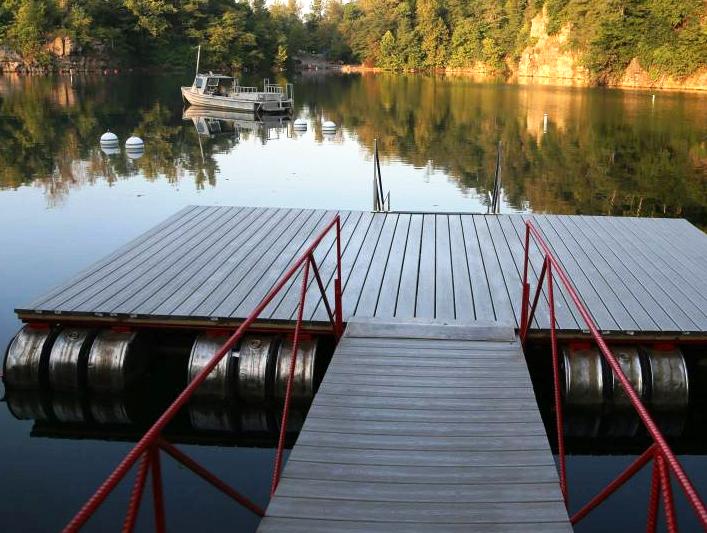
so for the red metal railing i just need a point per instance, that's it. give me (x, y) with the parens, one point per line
(148, 448)
(664, 460)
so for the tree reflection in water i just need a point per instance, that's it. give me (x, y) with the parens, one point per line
(601, 151)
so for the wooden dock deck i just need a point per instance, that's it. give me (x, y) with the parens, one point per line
(208, 265)
(420, 427)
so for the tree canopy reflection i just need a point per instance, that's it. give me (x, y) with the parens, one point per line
(599, 152)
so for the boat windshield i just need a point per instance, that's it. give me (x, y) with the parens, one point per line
(219, 85)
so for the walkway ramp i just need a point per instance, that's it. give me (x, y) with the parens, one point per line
(422, 426)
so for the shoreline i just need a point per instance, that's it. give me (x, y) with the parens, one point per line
(536, 81)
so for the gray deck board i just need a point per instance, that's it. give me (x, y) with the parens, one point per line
(485, 466)
(211, 264)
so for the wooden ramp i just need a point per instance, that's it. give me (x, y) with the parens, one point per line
(421, 426)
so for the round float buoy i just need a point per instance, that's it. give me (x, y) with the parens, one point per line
(109, 138)
(300, 124)
(134, 147)
(329, 126)
(110, 150)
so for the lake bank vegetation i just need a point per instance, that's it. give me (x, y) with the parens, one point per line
(599, 41)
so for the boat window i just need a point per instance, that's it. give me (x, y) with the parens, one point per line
(199, 83)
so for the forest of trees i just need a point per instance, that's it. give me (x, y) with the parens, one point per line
(667, 36)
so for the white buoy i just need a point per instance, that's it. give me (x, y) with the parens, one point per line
(135, 153)
(544, 122)
(652, 99)
(134, 143)
(300, 124)
(109, 138)
(329, 126)
(110, 149)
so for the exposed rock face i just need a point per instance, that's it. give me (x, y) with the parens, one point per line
(636, 76)
(10, 61)
(550, 59)
(61, 46)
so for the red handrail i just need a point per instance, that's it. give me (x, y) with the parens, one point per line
(664, 460)
(149, 446)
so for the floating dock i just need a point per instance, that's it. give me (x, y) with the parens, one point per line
(418, 427)
(210, 266)
(426, 416)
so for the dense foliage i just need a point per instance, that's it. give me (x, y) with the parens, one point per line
(667, 36)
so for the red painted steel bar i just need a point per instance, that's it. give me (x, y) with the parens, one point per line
(207, 476)
(559, 419)
(652, 522)
(338, 303)
(325, 300)
(136, 494)
(288, 391)
(664, 453)
(530, 316)
(153, 434)
(667, 491)
(616, 484)
(157, 493)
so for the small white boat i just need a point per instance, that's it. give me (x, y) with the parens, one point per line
(224, 92)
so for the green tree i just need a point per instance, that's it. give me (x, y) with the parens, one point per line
(434, 32)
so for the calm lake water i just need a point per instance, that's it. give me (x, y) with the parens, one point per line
(64, 204)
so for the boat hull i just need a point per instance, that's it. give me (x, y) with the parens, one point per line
(245, 103)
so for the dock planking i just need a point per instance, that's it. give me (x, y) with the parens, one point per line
(207, 265)
(392, 463)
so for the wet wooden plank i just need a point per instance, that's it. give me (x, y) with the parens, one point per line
(370, 291)
(640, 304)
(200, 282)
(496, 285)
(122, 254)
(206, 296)
(652, 274)
(450, 476)
(448, 512)
(325, 525)
(445, 305)
(407, 294)
(388, 295)
(130, 278)
(288, 298)
(327, 267)
(425, 300)
(598, 308)
(463, 296)
(568, 317)
(418, 492)
(276, 246)
(185, 272)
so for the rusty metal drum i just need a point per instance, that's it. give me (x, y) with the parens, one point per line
(68, 408)
(668, 378)
(584, 378)
(109, 410)
(67, 359)
(26, 357)
(219, 384)
(255, 367)
(113, 361)
(303, 377)
(629, 359)
(211, 416)
(27, 404)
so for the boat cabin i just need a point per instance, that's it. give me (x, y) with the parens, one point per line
(214, 84)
